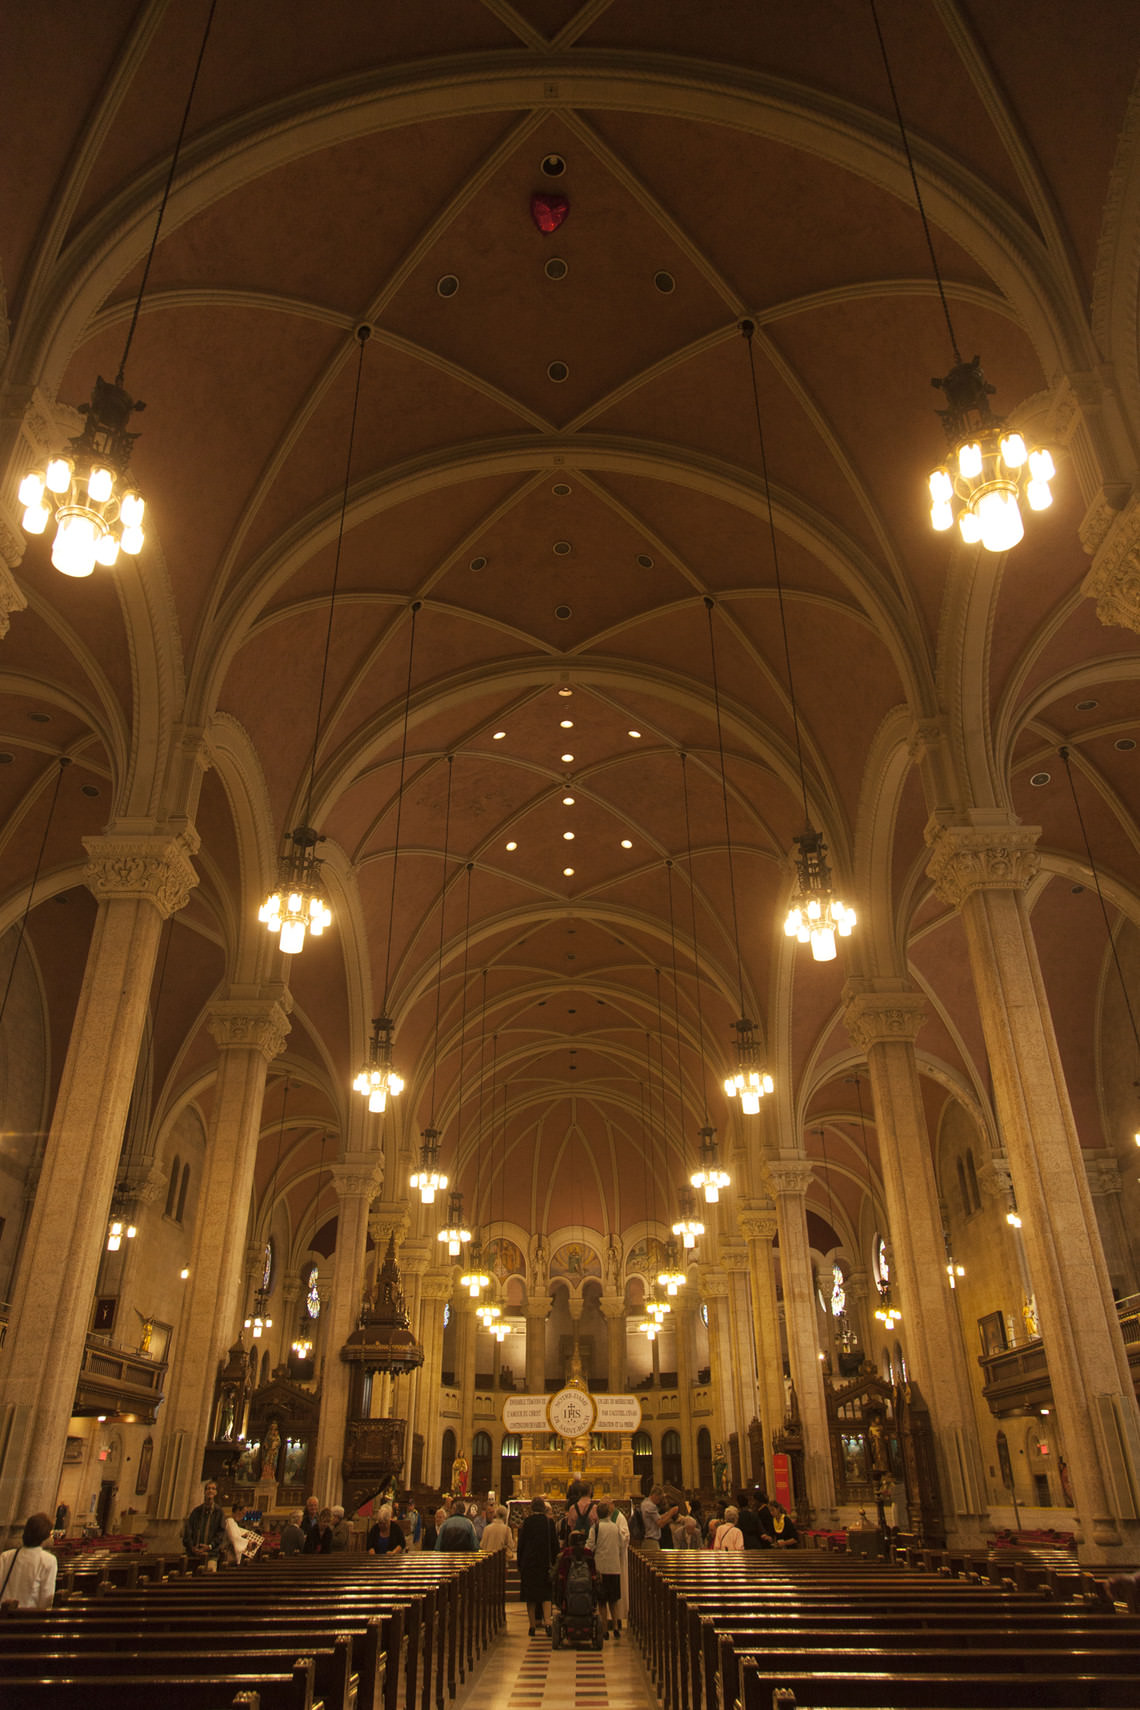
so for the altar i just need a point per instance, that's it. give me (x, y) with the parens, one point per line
(559, 1436)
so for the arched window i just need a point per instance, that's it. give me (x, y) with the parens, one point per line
(172, 1190)
(511, 1446)
(838, 1293)
(963, 1190)
(671, 1458)
(446, 1458)
(267, 1266)
(182, 1193)
(312, 1293)
(972, 1179)
(880, 1264)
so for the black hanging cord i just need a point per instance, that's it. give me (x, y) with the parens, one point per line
(280, 1142)
(482, 1100)
(442, 914)
(676, 1001)
(1108, 932)
(748, 328)
(166, 193)
(363, 334)
(914, 182)
(64, 762)
(463, 1027)
(696, 946)
(724, 800)
(399, 804)
(661, 1071)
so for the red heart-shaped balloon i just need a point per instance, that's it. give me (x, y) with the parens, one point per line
(548, 211)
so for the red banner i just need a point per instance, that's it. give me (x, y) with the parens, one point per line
(782, 1479)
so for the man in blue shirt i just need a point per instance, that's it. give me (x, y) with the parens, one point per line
(457, 1532)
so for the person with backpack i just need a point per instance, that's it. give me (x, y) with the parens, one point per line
(576, 1590)
(609, 1541)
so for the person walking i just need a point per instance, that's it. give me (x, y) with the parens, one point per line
(27, 1573)
(537, 1552)
(497, 1534)
(609, 1548)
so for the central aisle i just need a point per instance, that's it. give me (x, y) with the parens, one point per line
(520, 1673)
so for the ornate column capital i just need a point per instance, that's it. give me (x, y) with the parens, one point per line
(358, 1177)
(1104, 1176)
(756, 1219)
(988, 853)
(143, 1180)
(291, 1291)
(612, 1307)
(251, 1024)
(714, 1284)
(437, 1285)
(994, 1178)
(153, 866)
(1111, 535)
(882, 1011)
(537, 1308)
(416, 1252)
(788, 1175)
(732, 1253)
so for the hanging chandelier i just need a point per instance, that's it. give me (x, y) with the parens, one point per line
(500, 1331)
(119, 1225)
(297, 905)
(710, 1178)
(885, 1312)
(816, 913)
(87, 489)
(688, 1225)
(302, 1345)
(649, 1327)
(475, 1278)
(258, 1319)
(487, 1313)
(750, 1083)
(990, 468)
(429, 1178)
(454, 1231)
(378, 1080)
(671, 1277)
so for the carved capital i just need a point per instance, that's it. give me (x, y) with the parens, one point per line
(788, 1175)
(11, 598)
(612, 1307)
(537, 1308)
(994, 1178)
(155, 866)
(882, 1012)
(732, 1255)
(416, 1253)
(143, 1180)
(437, 1285)
(1104, 1176)
(291, 1290)
(713, 1284)
(1111, 535)
(980, 857)
(386, 1219)
(756, 1219)
(250, 1024)
(358, 1178)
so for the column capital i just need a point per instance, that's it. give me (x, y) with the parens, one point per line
(1104, 1176)
(882, 1011)
(788, 1175)
(714, 1284)
(437, 1285)
(357, 1177)
(612, 1307)
(987, 853)
(251, 1024)
(1111, 534)
(416, 1253)
(291, 1290)
(732, 1253)
(756, 1219)
(994, 1178)
(143, 1180)
(539, 1308)
(12, 598)
(153, 866)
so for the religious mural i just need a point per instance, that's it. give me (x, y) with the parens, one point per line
(646, 1257)
(574, 1260)
(503, 1258)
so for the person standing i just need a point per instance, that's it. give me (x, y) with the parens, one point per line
(654, 1519)
(497, 1534)
(537, 1552)
(292, 1537)
(340, 1532)
(238, 1539)
(784, 1533)
(204, 1531)
(386, 1537)
(311, 1527)
(27, 1573)
(457, 1532)
(607, 1544)
(728, 1533)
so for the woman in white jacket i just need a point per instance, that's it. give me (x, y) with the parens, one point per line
(609, 1540)
(728, 1533)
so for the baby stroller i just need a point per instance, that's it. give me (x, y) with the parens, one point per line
(576, 1617)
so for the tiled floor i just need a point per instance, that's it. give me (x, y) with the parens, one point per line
(519, 1673)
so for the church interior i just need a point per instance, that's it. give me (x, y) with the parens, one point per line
(538, 596)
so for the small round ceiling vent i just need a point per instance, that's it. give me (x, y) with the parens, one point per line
(563, 613)
(558, 372)
(447, 286)
(556, 268)
(553, 166)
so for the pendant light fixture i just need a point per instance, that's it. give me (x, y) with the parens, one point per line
(751, 1081)
(428, 1179)
(688, 1225)
(990, 467)
(708, 1178)
(475, 1279)
(816, 914)
(87, 488)
(297, 904)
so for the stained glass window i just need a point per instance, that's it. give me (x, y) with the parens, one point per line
(838, 1292)
(312, 1296)
(267, 1267)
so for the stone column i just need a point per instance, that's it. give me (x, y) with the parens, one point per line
(1107, 1187)
(617, 1368)
(290, 1318)
(683, 1314)
(537, 1312)
(249, 1032)
(883, 1017)
(435, 1292)
(857, 1287)
(789, 1178)
(466, 1332)
(714, 1292)
(733, 1254)
(356, 1179)
(757, 1221)
(139, 882)
(984, 868)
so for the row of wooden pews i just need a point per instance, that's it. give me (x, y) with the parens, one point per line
(721, 1630)
(308, 1633)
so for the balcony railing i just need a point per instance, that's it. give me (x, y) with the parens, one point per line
(1017, 1379)
(119, 1381)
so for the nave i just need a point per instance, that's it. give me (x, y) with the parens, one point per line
(520, 1673)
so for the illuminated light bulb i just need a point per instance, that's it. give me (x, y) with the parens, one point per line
(567, 759)
(970, 528)
(970, 460)
(1041, 465)
(1013, 450)
(292, 938)
(107, 551)
(568, 801)
(1000, 516)
(35, 519)
(1038, 495)
(941, 487)
(823, 943)
(942, 516)
(813, 910)
(627, 843)
(184, 1272)
(75, 541)
(100, 485)
(31, 491)
(1013, 1219)
(115, 1236)
(59, 472)
(511, 846)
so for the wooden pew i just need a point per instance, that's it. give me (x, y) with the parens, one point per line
(291, 1691)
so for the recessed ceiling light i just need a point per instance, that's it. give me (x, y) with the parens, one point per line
(566, 759)
(568, 836)
(568, 873)
(447, 285)
(664, 282)
(40, 717)
(645, 561)
(633, 733)
(555, 268)
(512, 845)
(1087, 706)
(478, 563)
(561, 490)
(562, 547)
(626, 844)
(565, 691)
(568, 801)
(567, 723)
(1039, 779)
(564, 613)
(89, 789)
(1125, 744)
(6, 759)
(557, 372)
(498, 736)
